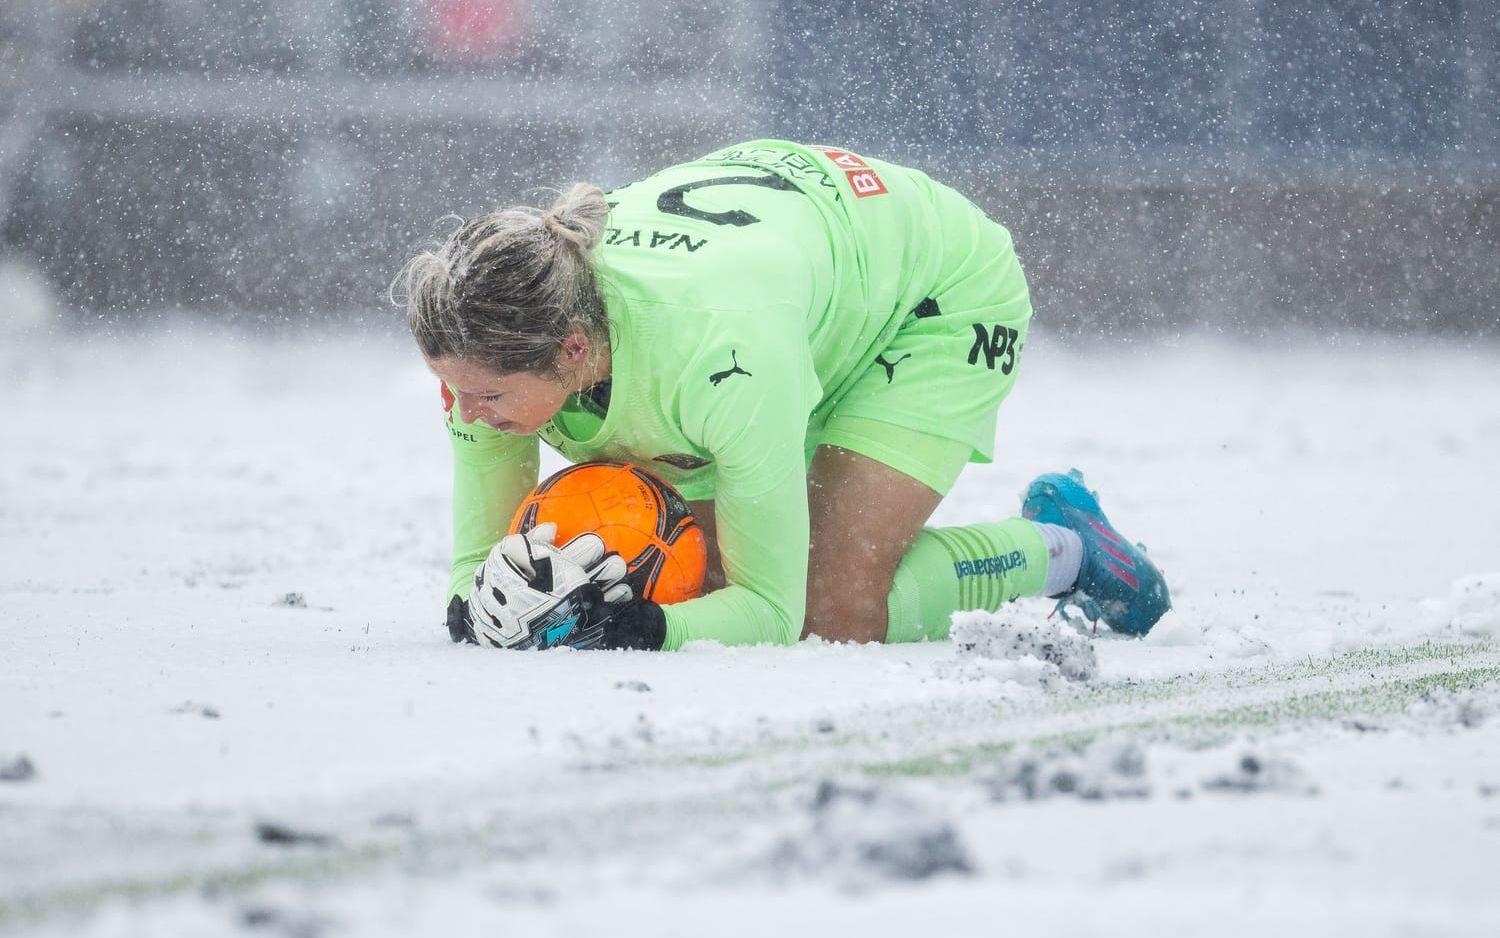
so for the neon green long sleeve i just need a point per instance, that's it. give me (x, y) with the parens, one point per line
(492, 472)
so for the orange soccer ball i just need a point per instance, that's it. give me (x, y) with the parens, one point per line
(639, 516)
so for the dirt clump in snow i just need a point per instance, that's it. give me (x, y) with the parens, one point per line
(1044, 654)
(285, 922)
(1113, 770)
(861, 835)
(17, 768)
(1441, 707)
(1256, 772)
(275, 832)
(1100, 772)
(207, 711)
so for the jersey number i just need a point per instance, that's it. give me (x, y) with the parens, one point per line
(674, 201)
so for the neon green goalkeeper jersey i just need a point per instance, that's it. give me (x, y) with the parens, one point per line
(746, 291)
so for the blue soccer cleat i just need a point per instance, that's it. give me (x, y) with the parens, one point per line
(1117, 582)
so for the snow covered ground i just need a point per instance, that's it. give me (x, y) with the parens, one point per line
(228, 705)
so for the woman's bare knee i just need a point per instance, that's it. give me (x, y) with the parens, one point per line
(846, 600)
(854, 550)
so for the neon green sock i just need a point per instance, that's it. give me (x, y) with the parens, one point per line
(978, 566)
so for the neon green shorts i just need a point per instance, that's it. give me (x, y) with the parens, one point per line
(926, 405)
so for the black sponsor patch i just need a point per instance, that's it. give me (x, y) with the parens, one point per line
(683, 460)
(997, 343)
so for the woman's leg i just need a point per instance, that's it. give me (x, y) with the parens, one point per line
(875, 573)
(865, 516)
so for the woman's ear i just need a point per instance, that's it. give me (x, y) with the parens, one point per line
(575, 349)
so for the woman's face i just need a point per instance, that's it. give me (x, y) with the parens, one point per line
(515, 403)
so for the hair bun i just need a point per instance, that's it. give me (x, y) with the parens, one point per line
(561, 229)
(578, 216)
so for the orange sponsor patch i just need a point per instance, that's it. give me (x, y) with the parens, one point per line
(865, 183)
(861, 178)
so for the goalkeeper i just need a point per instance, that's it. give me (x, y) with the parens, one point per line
(810, 345)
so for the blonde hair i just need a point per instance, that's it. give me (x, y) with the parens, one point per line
(505, 289)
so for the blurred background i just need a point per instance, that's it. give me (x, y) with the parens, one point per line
(1163, 164)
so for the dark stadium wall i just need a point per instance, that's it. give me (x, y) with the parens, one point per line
(1161, 164)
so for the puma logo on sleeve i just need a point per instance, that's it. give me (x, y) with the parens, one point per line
(890, 367)
(718, 376)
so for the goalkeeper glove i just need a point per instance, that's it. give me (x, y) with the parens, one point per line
(529, 593)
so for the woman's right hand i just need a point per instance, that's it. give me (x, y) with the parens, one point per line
(530, 593)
